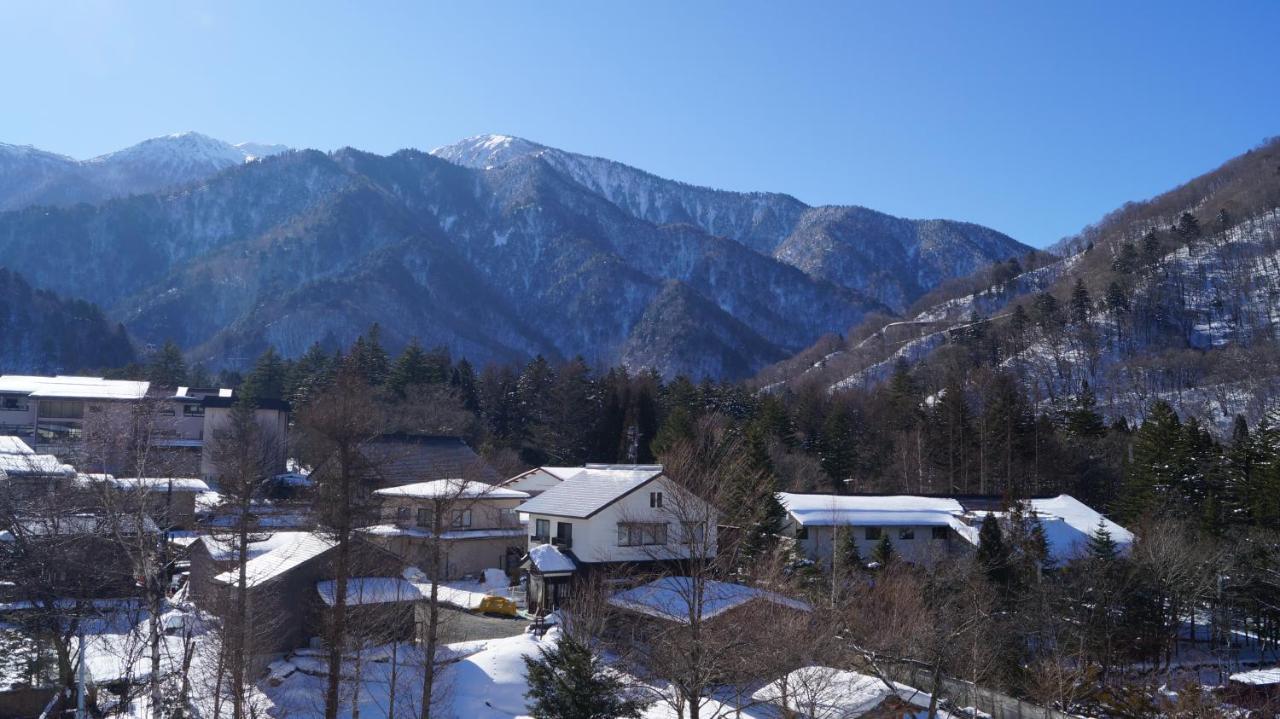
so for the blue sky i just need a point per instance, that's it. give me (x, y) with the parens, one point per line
(1032, 117)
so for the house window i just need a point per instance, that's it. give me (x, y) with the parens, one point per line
(655, 500)
(939, 532)
(695, 532)
(192, 410)
(542, 530)
(640, 534)
(872, 534)
(564, 534)
(461, 518)
(14, 404)
(61, 409)
(907, 533)
(402, 514)
(424, 517)
(802, 532)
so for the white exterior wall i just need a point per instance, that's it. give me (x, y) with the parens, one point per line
(536, 482)
(923, 549)
(595, 539)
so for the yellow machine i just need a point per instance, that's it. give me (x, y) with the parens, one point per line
(497, 605)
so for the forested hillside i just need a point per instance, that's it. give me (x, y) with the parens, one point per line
(1175, 298)
(41, 332)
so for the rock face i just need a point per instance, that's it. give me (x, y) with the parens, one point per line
(496, 247)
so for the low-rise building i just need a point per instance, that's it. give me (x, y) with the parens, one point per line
(539, 479)
(611, 517)
(481, 529)
(169, 501)
(926, 529)
(71, 416)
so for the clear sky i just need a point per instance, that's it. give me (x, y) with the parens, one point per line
(1032, 117)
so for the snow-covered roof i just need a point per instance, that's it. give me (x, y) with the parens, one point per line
(451, 489)
(825, 510)
(1068, 523)
(1258, 677)
(300, 548)
(668, 598)
(14, 445)
(391, 530)
(34, 465)
(829, 693)
(78, 525)
(70, 387)
(370, 590)
(590, 490)
(146, 484)
(223, 549)
(548, 559)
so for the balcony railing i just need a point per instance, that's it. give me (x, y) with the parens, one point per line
(566, 542)
(539, 539)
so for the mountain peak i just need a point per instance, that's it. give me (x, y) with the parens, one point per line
(483, 151)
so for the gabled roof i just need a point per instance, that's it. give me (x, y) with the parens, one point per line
(669, 598)
(80, 525)
(451, 489)
(14, 445)
(836, 693)
(548, 559)
(408, 458)
(280, 560)
(591, 490)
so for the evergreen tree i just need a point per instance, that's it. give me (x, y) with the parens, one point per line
(838, 446)
(993, 555)
(1157, 463)
(1019, 322)
(1188, 227)
(410, 368)
(1081, 304)
(368, 358)
(1126, 259)
(1102, 546)
(568, 681)
(267, 378)
(167, 367)
(851, 557)
(463, 378)
(1083, 419)
(309, 374)
(1117, 299)
(1151, 250)
(678, 426)
(884, 553)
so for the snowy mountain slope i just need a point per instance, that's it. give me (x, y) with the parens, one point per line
(34, 177)
(496, 247)
(891, 259)
(1175, 298)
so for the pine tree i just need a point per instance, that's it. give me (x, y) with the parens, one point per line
(838, 446)
(167, 367)
(1158, 463)
(568, 681)
(1188, 227)
(1117, 299)
(1081, 304)
(884, 553)
(267, 379)
(1151, 250)
(1083, 419)
(851, 557)
(1102, 546)
(410, 368)
(993, 555)
(1126, 260)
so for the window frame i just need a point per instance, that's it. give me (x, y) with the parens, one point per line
(428, 513)
(872, 534)
(906, 533)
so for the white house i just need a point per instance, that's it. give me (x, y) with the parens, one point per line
(610, 515)
(927, 529)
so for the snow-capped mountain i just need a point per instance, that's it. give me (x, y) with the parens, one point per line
(496, 247)
(892, 259)
(34, 177)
